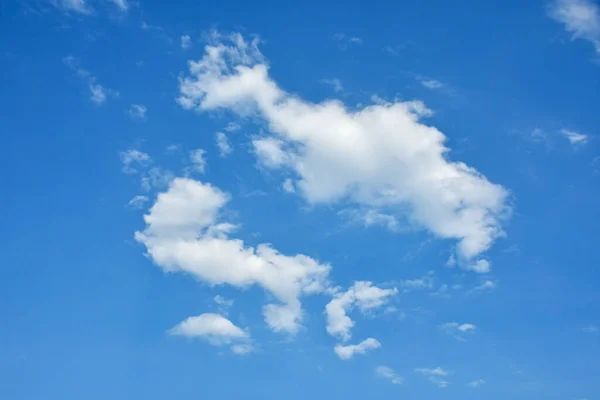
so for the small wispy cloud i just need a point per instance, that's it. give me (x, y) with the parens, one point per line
(344, 41)
(591, 329)
(335, 83)
(389, 374)
(458, 331)
(137, 202)
(576, 139)
(431, 83)
(186, 42)
(581, 19)
(137, 111)
(435, 376)
(98, 93)
(132, 158)
(476, 383)
(223, 145)
(75, 6)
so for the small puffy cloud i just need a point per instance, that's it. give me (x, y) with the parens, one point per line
(458, 331)
(349, 351)
(223, 145)
(581, 19)
(425, 282)
(216, 330)
(232, 127)
(574, 138)
(198, 160)
(363, 295)
(335, 83)
(480, 266)
(137, 111)
(476, 383)
(389, 374)
(486, 285)
(288, 186)
(133, 157)
(99, 94)
(404, 169)
(186, 42)
(185, 233)
(431, 84)
(435, 376)
(137, 202)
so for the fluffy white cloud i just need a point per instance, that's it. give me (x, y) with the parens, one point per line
(137, 111)
(198, 160)
(380, 157)
(132, 157)
(580, 17)
(347, 352)
(574, 137)
(435, 376)
(216, 330)
(225, 148)
(98, 93)
(389, 374)
(123, 5)
(476, 383)
(184, 233)
(363, 295)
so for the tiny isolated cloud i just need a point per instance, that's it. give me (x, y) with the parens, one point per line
(216, 330)
(198, 161)
(576, 139)
(186, 42)
(133, 158)
(137, 202)
(477, 383)
(581, 18)
(344, 41)
(223, 145)
(288, 186)
(335, 83)
(75, 6)
(485, 286)
(99, 94)
(349, 351)
(432, 83)
(122, 5)
(591, 329)
(435, 375)
(137, 111)
(389, 374)
(458, 331)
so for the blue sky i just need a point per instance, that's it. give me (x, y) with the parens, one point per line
(281, 200)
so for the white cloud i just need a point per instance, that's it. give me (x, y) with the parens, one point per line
(184, 233)
(435, 376)
(370, 217)
(480, 266)
(77, 6)
(335, 83)
(232, 127)
(458, 331)
(487, 285)
(242, 349)
(137, 202)
(574, 137)
(216, 330)
(347, 352)
(425, 282)
(389, 374)
(288, 186)
(123, 5)
(132, 157)
(431, 84)
(403, 170)
(157, 178)
(363, 295)
(98, 93)
(477, 383)
(198, 160)
(581, 19)
(186, 42)
(344, 40)
(225, 148)
(137, 111)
